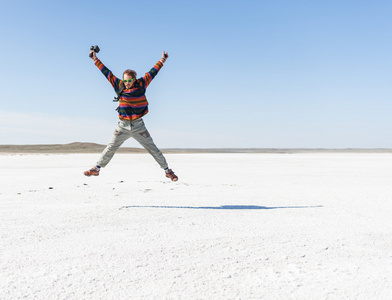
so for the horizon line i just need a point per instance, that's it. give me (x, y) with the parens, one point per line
(87, 147)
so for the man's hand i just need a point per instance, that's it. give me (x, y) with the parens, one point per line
(165, 55)
(93, 55)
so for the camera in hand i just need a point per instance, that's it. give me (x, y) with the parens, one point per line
(95, 49)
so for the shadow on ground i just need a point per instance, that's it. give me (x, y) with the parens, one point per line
(246, 207)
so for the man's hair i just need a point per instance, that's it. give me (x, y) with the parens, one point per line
(131, 73)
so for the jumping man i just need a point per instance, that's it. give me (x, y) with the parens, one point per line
(133, 106)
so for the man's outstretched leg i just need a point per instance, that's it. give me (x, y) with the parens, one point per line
(142, 135)
(119, 137)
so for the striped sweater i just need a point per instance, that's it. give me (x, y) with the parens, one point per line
(133, 103)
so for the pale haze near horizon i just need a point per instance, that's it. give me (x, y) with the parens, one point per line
(249, 74)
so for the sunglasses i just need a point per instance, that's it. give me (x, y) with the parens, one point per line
(130, 80)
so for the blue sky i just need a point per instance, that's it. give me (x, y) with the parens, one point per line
(265, 74)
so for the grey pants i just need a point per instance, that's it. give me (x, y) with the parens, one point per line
(137, 130)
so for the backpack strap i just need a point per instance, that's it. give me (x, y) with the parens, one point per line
(122, 88)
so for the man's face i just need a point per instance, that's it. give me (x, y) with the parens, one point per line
(128, 81)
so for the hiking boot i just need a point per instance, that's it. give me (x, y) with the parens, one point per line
(170, 174)
(92, 172)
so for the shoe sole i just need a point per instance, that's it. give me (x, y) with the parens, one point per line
(172, 179)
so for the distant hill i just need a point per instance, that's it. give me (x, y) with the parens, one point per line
(63, 148)
(98, 148)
